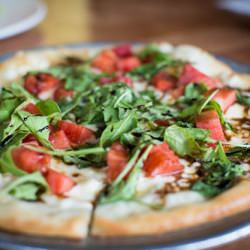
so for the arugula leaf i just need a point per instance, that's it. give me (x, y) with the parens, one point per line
(76, 77)
(7, 164)
(127, 168)
(37, 125)
(26, 191)
(128, 139)
(243, 99)
(220, 173)
(115, 130)
(84, 161)
(80, 83)
(48, 107)
(196, 108)
(78, 152)
(26, 187)
(217, 154)
(149, 70)
(208, 101)
(12, 127)
(198, 133)
(190, 112)
(148, 50)
(239, 152)
(14, 122)
(158, 61)
(214, 105)
(194, 91)
(18, 90)
(67, 106)
(7, 106)
(14, 140)
(183, 140)
(206, 189)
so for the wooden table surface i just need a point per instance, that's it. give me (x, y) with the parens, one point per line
(198, 22)
(179, 21)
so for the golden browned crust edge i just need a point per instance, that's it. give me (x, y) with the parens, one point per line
(35, 227)
(41, 219)
(233, 201)
(23, 61)
(245, 77)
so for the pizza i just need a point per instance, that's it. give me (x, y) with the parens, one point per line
(121, 140)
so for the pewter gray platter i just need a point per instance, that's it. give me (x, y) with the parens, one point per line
(199, 237)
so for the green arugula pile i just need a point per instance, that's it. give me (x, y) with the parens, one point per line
(116, 113)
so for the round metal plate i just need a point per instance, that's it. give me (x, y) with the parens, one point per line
(199, 237)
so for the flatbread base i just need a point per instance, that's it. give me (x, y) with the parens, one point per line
(41, 219)
(233, 201)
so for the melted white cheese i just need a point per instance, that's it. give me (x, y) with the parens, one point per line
(86, 190)
(166, 47)
(148, 184)
(5, 179)
(89, 181)
(139, 86)
(121, 209)
(199, 58)
(65, 203)
(235, 140)
(235, 81)
(236, 111)
(124, 209)
(22, 64)
(183, 198)
(47, 94)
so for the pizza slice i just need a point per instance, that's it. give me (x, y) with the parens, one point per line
(193, 163)
(43, 188)
(40, 193)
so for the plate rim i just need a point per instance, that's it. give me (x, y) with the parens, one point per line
(25, 24)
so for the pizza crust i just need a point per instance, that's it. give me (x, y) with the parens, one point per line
(68, 216)
(41, 219)
(22, 62)
(233, 201)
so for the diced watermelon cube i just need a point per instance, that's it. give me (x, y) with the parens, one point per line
(124, 79)
(29, 160)
(163, 82)
(106, 61)
(59, 140)
(128, 64)
(58, 182)
(117, 158)
(162, 161)
(123, 50)
(62, 93)
(225, 97)
(191, 75)
(40, 82)
(77, 134)
(210, 120)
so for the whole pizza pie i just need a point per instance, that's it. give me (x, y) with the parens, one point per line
(122, 140)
